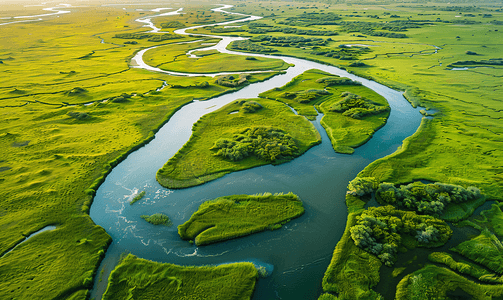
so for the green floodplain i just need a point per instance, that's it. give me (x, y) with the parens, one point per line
(55, 150)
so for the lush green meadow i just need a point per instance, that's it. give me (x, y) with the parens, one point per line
(55, 151)
(239, 215)
(136, 278)
(198, 161)
(348, 118)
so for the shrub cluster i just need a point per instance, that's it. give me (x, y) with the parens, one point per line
(78, 115)
(335, 80)
(305, 96)
(308, 19)
(362, 186)
(288, 41)
(122, 98)
(425, 198)
(290, 30)
(172, 24)
(248, 46)
(343, 53)
(75, 91)
(264, 142)
(231, 81)
(379, 231)
(250, 106)
(148, 36)
(357, 107)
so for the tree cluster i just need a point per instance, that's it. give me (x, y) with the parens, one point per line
(305, 96)
(357, 107)
(264, 142)
(380, 230)
(425, 198)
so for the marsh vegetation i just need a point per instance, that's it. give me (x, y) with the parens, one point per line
(73, 108)
(239, 215)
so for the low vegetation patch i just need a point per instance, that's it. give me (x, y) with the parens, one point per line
(465, 267)
(137, 197)
(485, 249)
(239, 215)
(157, 219)
(136, 278)
(433, 282)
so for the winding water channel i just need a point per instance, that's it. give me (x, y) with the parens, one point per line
(298, 254)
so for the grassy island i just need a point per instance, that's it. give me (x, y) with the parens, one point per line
(241, 135)
(136, 278)
(239, 215)
(157, 219)
(137, 197)
(352, 112)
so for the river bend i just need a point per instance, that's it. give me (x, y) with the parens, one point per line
(299, 253)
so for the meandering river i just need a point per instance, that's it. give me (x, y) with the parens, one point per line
(298, 254)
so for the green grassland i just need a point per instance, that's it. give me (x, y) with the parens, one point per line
(174, 58)
(196, 162)
(239, 215)
(136, 278)
(55, 151)
(324, 90)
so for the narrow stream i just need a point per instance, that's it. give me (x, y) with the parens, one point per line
(300, 252)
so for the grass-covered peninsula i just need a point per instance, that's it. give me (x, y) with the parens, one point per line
(239, 215)
(136, 278)
(352, 112)
(240, 135)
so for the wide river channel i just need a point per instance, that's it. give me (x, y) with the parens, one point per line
(298, 254)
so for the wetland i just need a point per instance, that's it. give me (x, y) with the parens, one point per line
(311, 97)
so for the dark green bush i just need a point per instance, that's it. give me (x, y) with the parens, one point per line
(266, 143)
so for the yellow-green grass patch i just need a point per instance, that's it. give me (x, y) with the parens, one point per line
(234, 216)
